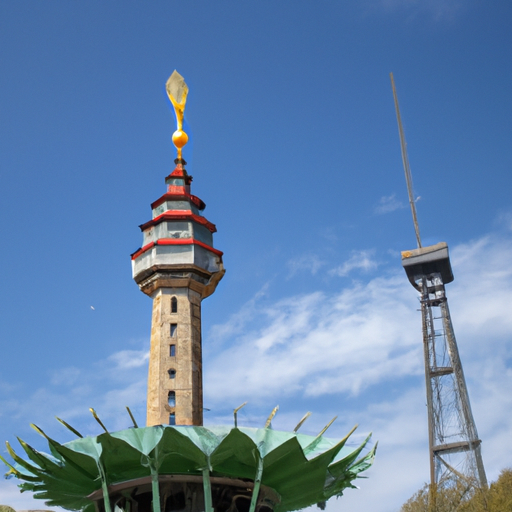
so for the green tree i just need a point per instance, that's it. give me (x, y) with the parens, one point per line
(418, 502)
(460, 497)
(500, 494)
(498, 498)
(6, 508)
(449, 498)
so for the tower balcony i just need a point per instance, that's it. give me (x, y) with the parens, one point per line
(177, 262)
(425, 261)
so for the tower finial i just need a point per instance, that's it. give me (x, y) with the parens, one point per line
(177, 91)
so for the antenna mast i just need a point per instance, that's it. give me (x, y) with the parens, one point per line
(405, 160)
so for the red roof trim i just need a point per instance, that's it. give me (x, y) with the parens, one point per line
(137, 253)
(179, 215)
(170, 196)
(175, 241)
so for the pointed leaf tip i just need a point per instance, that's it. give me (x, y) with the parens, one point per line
(69, 427)
(39, 431)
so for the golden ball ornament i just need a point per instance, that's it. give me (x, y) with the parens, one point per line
(179, 138)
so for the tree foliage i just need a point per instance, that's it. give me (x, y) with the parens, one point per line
(460, 497)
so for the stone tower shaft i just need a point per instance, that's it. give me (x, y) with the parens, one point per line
(177, 267)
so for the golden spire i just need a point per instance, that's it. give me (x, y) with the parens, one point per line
(177, 91)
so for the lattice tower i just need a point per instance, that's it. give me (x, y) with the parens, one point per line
(454, 447)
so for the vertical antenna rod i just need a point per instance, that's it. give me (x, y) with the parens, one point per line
(405, 160)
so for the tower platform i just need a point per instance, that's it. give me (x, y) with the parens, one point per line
(425, 261)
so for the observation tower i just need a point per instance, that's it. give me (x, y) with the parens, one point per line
(177, 266)
(174, 464)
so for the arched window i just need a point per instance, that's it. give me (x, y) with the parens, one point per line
(172, 398)
(174, 305)
(172, 374)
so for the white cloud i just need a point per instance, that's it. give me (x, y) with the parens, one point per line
(10, 495)
(108, 387)
(127, 359)
(309, 263)
(360, 260)
(388, 204)
(504, 219)
(65, 376)
(321, 344)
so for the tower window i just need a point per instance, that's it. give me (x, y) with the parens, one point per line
(172, 374)
(174, 305)
(172, 419)
(172, 398)
(172, 350)
(174, 328)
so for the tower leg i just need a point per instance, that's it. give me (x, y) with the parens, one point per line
(454, 447)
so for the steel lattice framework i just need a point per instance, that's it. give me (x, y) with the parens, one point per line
(455, 449)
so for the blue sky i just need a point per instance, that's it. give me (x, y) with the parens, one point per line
(294, 148)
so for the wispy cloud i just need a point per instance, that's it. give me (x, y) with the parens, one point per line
(388, 204)
(308, 263)
(319, 343)
(109, 386)
(127, 359)
(235, 326)
(504, 219)
(359, 260)
(66, 376)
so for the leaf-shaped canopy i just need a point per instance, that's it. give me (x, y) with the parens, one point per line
(302, 469)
